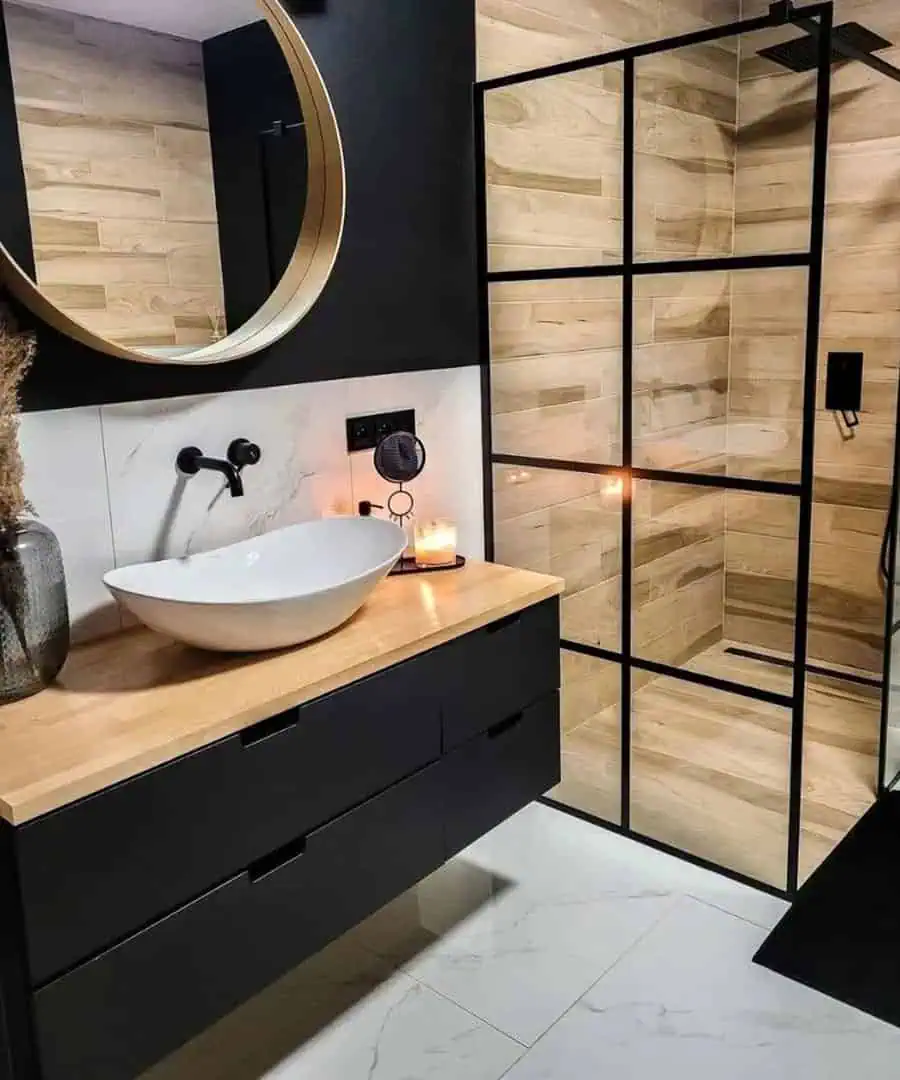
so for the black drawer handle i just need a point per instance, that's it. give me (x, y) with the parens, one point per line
(277, 860)
(505, 725)
(505, 623)
(265, 729)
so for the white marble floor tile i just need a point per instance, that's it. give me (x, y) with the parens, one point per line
(547, 923)
(541, 833)
(515, 932)
(343, 1015)
(687, 1002)
(403, 1030)
(720, 892)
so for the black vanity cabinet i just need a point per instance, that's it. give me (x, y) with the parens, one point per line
(135, 918)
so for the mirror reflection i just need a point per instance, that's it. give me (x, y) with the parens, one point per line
(165, 164)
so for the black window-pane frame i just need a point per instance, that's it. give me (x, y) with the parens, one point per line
(818, 18)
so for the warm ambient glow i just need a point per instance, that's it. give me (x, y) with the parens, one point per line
(614, 486)
(435, 543)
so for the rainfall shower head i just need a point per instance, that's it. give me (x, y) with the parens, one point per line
(801, 54)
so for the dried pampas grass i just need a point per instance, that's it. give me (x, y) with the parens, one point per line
(17, 351)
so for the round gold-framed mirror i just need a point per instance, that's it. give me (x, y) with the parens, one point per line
(85, 260)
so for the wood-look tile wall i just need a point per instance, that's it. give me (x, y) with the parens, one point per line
(861, 312)
(554, 168)
(115, 141)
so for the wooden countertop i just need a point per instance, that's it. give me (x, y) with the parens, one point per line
(136, 700)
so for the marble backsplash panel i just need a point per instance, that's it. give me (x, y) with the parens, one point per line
(65, 480)
(105, 478)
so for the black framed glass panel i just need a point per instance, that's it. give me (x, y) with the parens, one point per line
(718, 373)
(567, 524)
(591, 737)
(710, 775)
(713, 439)
(714, 583)
(553, 165)
(556, 369)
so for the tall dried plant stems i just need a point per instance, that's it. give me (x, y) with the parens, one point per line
(16, 354)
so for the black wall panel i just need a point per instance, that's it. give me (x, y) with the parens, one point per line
(260, 164)
(403, 296)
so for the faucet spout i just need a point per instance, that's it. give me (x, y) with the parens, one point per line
(191, 460)
(231, 473)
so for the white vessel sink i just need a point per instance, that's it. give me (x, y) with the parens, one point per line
(281, 589)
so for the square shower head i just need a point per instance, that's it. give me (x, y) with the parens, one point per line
(801, 54)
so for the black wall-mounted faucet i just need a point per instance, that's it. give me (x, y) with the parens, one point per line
(241, 453)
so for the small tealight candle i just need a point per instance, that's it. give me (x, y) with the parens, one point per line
(435, 543)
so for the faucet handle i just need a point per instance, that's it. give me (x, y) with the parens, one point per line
(242, 453)
(188, 460)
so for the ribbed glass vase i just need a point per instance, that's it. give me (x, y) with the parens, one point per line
(34, 611)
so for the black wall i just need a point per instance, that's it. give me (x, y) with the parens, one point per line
(16, 227)
(403, 295)
(260, 164)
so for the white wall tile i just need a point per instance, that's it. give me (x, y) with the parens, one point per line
(65, 479)
(158, 513)
(136, 507)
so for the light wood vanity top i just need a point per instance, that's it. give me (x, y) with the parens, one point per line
(137, 700)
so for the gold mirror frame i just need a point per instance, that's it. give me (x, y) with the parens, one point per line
(317, 245)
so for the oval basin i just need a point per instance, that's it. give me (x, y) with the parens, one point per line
(281, 589)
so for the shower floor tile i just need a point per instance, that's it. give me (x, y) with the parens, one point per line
(710, 770)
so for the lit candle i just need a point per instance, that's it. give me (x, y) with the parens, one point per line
(435, 543)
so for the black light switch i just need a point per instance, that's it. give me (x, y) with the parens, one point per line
(366, 432)
(844, 382)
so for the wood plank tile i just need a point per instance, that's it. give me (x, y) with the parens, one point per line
(675, 231)
(179, 302)
(585, 430)
(691, 320)
(55, 134)
(519, 491)
(54, 231)
(96, 201)
(76, 298)
(113, 127)
(159, 237)
(556, 323)
(562, 228)
(71, 266)
(531, 382)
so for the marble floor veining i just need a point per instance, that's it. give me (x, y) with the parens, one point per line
(710, 770)
(549, 950)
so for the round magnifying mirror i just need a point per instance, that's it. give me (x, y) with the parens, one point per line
(182, 181)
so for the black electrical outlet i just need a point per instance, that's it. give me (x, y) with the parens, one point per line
(366, 432)
(844, 382)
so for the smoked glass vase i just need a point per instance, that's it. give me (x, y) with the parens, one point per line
(34, 612)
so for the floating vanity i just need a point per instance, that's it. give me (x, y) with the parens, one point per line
(182, 828)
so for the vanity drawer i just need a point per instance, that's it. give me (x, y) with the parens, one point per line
(114, 1016)
(500, 772)
(496, 672)
(110, 864)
